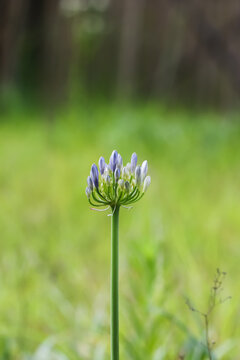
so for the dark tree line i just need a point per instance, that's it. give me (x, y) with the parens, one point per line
(165, 49)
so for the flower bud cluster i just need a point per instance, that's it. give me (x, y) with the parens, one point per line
(114, 184)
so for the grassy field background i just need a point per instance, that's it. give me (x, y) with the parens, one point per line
(55, 251)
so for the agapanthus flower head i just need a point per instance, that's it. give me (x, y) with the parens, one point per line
(115, 184)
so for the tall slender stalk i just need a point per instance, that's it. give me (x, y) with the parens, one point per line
(114, 286)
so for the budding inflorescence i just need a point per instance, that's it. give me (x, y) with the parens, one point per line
(114, 184)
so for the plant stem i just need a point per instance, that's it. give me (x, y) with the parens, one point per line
(114, 287)
(207, 337)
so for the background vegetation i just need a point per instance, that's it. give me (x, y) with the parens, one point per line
(180, 51)
(54, 268)
(79, 78)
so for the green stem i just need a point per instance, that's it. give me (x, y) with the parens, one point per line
(114, 287)
(207, 337)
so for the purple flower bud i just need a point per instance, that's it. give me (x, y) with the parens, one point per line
(133, 162)
(90, 183)
(113, 160)
(102, 165)
(94, 175)
(144, 169)
(108, 180)
(117, 174)
(146, 183)
(125, 172)
(88, 192)
(119, 162)
(127, 186)
(138, 175)
(121, 184)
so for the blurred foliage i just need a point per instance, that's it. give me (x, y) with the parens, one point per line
(55, 251)
(182, 51)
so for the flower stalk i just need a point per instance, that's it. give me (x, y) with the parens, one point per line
(113, 186)
(114, 285)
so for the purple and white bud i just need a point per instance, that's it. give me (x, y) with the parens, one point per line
(128, 167)
(121, 184)
(138, 175)
(94, 175)
(113, 160)
(146, 183)
(125, 172)
(88, 192)
(127, 186)
(119, 162)
(90, 183)
(144, 169)
(102, 165)
(108, 180)
(133, 162)
(117, 174)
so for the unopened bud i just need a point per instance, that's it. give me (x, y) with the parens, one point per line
(108, 180)
(117, 174)
(146, 183)
(138, 175)
(94, 175)
(121, 184)
(127, 186)
(88, 192)
(133, 162)
(90, 183)
(102, 165)
(113, 160)
(144, 169)
(119, 162)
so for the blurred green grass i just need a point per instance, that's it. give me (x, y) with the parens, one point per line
(55, 251)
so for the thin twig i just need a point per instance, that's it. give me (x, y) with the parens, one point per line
(214, 300)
